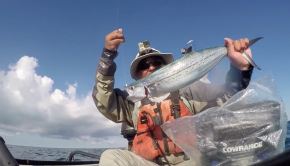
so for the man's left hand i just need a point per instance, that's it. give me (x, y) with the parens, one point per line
(235, 50)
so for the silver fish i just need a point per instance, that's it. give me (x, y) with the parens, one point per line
(181, 73)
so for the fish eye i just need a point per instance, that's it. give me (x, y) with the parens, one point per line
(132, 88)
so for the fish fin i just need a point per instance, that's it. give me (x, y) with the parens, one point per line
(253, 41)
(250, 60)
(247, 57)
(205, 79)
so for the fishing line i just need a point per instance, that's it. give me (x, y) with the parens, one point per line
(121, 48)
(118, 9)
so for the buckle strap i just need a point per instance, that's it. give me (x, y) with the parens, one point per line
(164, 136)
(175, 108)
(159, 161)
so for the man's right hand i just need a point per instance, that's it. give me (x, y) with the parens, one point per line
(114, 39)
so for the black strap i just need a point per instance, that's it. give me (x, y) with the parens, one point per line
(164, 136)
(146, 101)
(175, 107)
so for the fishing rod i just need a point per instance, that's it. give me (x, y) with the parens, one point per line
(189, 48)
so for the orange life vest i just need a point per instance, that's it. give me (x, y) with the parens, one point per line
(150, 141)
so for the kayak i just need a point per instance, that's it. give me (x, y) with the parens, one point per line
(6, 158)
(55, 163)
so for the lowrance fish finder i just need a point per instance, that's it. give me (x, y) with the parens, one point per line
(241, 135)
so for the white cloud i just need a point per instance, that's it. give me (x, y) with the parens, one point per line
(29, 104)
(6, 134)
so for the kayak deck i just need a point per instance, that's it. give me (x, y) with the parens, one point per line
(55, 163)
(69, 161)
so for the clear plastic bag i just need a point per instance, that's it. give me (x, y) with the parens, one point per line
(248, 128)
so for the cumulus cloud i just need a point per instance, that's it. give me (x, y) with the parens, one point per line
(28, 103)
(7, 134)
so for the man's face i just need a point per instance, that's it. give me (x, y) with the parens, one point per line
(148, 65)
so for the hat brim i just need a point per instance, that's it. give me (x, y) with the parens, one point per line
(168, 58)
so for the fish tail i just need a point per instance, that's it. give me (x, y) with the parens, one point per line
(247, 57)
(253, 41)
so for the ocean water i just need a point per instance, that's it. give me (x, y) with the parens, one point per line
(61, 154)
(52, 154)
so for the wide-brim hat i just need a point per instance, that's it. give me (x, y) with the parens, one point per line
(167, 57)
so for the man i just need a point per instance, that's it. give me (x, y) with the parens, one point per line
(197, 97)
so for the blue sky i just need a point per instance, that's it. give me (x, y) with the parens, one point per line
(66, 38)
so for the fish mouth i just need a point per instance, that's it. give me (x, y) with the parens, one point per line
(146, 91)
(136, 95)
(129, 91)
